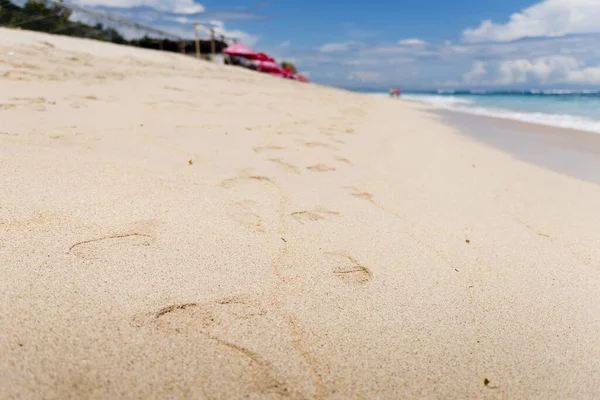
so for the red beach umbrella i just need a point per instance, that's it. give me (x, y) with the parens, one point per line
(263, 57)
(300, 78)
(240, 50)
(268, 66)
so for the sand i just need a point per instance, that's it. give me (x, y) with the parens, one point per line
(171, 228)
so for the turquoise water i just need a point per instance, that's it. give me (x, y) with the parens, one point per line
(567, 109)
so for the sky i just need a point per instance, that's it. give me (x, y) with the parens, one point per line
(417, 44)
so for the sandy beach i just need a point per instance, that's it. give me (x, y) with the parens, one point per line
(170, 228)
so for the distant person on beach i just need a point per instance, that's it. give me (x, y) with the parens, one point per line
(394, 92)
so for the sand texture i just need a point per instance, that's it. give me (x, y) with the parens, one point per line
(171, 228)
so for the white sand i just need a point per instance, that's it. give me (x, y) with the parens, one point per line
(316, 247)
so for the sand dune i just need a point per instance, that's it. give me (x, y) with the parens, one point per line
(175, 229)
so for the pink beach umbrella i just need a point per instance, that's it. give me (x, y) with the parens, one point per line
(240, 50)
(263, 57)
(268, 66)
(300, 78)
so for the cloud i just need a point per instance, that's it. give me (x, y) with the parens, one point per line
(362, 62)
(219, 28)
(539, 61)
(411, 42)
(541, 69)
(366, 76)
(339, 47)
(548, 18)
(173, 16)
(476, 74)
(175, 6)
(589, 75)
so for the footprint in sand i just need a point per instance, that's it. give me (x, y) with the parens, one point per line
(348, 270)
(359, 194)
(289, 167)
(245, 213)
(35, 103)
(320, 168)
(334, 131)
(173, 88)
(343, 160)
(232, 182)
(77, 105)
(531, 228)
(90, 248)
(136, 236)
(317, 144)
(261, 149)
(226, 325)
(315, 215)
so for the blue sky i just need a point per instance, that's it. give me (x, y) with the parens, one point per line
(413, 44)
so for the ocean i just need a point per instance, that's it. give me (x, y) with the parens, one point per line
(559, 108)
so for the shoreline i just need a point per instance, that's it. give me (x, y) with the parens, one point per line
(565, 150)
(467, 112)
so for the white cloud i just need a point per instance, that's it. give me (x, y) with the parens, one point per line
(366, 76)
(476, 74)
(548, 70)
(589, 75)
(548, 18)
(361, 62)
(285, 44)
(411, 42)
(219, 27)
(338, 47)
(540, 69)
(174, 6)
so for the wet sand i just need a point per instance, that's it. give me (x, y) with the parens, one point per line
(568, 151)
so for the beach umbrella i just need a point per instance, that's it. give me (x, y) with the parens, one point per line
(300, 78)
(263, 57)
(268, 66)
(240, 50)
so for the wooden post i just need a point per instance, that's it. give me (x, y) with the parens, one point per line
(182, 46)
(212, 41)
(197, 41)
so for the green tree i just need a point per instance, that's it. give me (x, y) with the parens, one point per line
(37, 16)
(290, 66)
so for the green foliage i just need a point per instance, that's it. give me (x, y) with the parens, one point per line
(290, 66)
(42, 16)
(37, 15)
